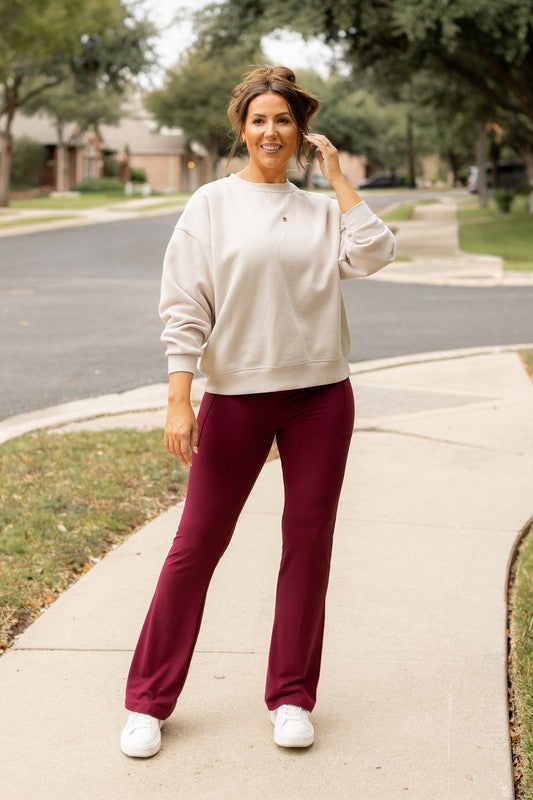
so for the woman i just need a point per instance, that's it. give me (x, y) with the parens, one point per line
(251, 283)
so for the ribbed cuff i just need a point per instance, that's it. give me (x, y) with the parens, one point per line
(357, 215)
(178, 363)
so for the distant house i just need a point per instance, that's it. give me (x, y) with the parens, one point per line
(170, 161)
(71, 157)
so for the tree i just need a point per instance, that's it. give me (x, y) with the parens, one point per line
(196, 94)
(44, 43)
(485, 44)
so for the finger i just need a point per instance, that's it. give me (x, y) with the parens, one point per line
(194, 439)
(172, 444)
(168, 443)
(185, 450)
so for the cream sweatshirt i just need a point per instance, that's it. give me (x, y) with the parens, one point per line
(251, 284)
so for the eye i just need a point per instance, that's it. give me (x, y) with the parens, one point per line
(257, 121)
(284, 119)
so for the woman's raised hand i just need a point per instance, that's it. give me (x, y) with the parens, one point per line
(327, 155)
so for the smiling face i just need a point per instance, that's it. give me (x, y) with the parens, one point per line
(271, 133)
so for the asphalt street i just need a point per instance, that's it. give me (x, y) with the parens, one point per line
(78, 313)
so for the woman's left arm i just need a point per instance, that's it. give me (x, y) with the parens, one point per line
(367, 244)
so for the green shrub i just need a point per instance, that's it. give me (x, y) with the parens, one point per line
(523, 188)
(100, 185)
(504, 199)
(29, 158)
(138, 175)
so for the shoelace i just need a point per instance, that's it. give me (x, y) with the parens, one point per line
(139, 721)
(291, 712)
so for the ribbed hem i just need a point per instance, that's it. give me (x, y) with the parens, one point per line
(179, 363)
(254, 186)
(275, 379)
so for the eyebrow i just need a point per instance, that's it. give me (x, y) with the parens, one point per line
(281, 114)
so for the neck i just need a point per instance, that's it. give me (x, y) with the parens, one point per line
(254, 173)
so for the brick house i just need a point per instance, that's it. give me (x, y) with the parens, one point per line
(171, 162)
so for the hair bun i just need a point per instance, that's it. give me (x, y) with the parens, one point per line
(285, 73)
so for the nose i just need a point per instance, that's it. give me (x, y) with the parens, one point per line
(269, 129)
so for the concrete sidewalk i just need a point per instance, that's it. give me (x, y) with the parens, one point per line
(430, 240)
(412, 699)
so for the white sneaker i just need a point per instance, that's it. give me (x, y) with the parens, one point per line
(141, 736)
(292, 726)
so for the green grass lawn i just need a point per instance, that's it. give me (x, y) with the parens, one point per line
(34, 220)
(65, 499)
(521, 669)
(488, 231)
(521, 653)
(89, 200)
(403, 212)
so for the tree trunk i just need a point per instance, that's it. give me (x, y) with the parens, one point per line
(410, 151)
(5, 166)
(6, 142)
(481, 157)
(528, 158)
(453, 161)
(60, 158)
(494, 150)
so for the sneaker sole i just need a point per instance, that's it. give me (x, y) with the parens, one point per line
(300, 741)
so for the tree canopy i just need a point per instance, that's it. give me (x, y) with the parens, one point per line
(43, 43)
(487, 44)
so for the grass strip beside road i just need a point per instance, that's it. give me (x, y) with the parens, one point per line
(520, 661)
(93, 200)
(488, 231)
(36, 220)
(87, 200)
(521, 668)
(399, 213)
(65, 499)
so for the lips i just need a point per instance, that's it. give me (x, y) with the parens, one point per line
(271, 148)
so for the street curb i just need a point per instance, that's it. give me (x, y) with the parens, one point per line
(153, 397)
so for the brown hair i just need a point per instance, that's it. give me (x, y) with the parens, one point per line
(265, 80)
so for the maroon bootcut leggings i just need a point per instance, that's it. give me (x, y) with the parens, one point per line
(312, 427)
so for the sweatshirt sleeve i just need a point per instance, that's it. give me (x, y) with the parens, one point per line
(186, 304)
(366, 244)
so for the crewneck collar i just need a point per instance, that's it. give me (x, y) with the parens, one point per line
(260, 187)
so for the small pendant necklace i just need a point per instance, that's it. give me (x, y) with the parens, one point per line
(281, 207)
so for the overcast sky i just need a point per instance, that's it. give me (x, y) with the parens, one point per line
(289, 50)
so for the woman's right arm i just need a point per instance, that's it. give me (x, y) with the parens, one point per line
(181, 427)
